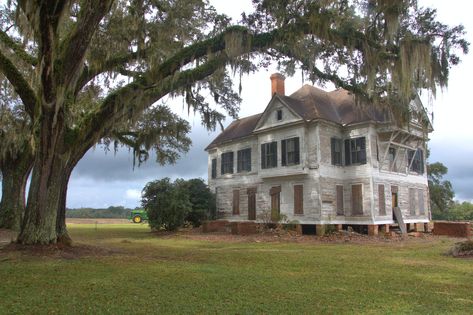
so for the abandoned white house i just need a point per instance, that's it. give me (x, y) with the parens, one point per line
(319, 158)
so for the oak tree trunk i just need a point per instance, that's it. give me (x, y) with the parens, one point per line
(61, 228)
(15, 172)
(44, 197)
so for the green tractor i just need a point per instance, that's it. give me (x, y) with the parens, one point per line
(138, 215)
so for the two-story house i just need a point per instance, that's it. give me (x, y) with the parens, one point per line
(320, 158)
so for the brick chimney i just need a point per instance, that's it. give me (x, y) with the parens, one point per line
(277, 84)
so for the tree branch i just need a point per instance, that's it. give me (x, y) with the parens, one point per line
(17, 49)
(134, 97)
(75, 45)
(21, 86)
(89, 73)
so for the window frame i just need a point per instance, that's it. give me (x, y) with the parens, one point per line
(286, 154)
(244, 162)
(415, 160)
(351, 151)
(225, 163)
(267, 156)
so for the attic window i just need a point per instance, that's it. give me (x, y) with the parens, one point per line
(279, 114)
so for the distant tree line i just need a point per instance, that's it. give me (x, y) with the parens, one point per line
(442, 205)
(113, 212)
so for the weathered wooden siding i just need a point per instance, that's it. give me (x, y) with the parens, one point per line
(319, 178)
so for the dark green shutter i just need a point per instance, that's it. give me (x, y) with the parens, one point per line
(363, 150)
(274, 151)
(283, 153)
(222, 162)
(421, 161)
(214, 168)
(296, 147)
(332, 144)
(263, 156)
(239, 161)
(248, 157)
(347, 152)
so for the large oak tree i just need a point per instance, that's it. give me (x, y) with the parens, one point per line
(142, 50)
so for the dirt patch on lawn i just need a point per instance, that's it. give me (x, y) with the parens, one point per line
(283, 236)
(97, 221)
(54, 251)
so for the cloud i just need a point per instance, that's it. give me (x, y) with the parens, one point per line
(109, 166)
(133, 194)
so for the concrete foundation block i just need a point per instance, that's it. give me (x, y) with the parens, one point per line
(384, 228)
(215, 226)
(320, 229)
(419, 227)
(244, 228)
(373, 230)
(427, 227)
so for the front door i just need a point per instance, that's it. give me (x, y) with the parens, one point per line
(251, 203)
(275, 203)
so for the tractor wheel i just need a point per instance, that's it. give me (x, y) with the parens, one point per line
(137, 219)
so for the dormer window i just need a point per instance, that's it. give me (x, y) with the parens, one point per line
(279, 114)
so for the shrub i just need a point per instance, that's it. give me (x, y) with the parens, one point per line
(462, 249)
(202, 201)
(166, 203)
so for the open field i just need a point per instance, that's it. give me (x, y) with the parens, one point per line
(123, 268)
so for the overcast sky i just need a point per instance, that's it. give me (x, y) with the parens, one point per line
(102, 180)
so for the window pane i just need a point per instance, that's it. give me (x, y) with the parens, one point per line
(227, 163)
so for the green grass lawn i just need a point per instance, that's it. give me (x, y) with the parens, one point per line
(148, 274)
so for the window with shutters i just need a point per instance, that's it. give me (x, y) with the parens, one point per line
(421, 201)
(381, 200)
(356, 200)
(227, 163)
(355, 151)
(214, 168)
(340, 210)
(244, 160)
(290, 152)
(412, 201)
(336, 145)
(298, 199)
(269, 155)
(236, 201)
(415, 160)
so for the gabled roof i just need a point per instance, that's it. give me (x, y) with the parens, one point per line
(282, 100)
(239, 128)
(310, 103)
